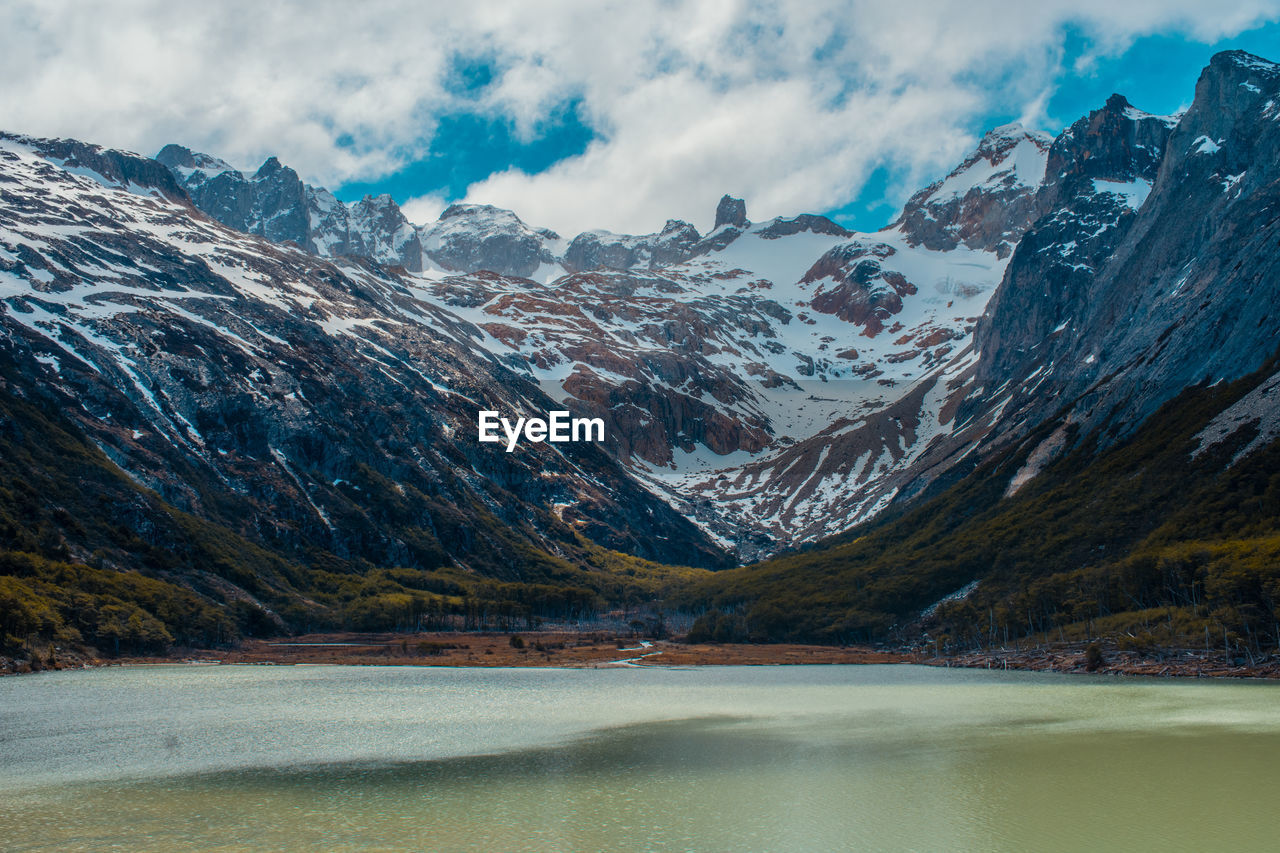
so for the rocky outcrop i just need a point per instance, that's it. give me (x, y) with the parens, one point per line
(855, 286)
(274, 203)
(731, 211)
(986, 202)
(593, 250)
(1149, 296)
(731, 221)
(805, 222)
(473, 237)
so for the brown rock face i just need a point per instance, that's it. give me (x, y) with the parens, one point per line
(631, 411)
(805, 222)
(856, 288)
(593, 250)
(996, 207)
(731, 211)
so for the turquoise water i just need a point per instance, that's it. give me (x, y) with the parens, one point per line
(735, 758)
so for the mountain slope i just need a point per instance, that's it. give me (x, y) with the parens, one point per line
(1156, 522)
(710, 357)
(88, 556)
(1114, 447)
(1179, 292)
(305, 404)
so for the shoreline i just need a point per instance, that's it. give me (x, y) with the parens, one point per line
(590, 650)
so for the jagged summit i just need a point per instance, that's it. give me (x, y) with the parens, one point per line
(108, 167)
(275, 203)
(184, 160)
(987, 201)
(1117, 102)
(269, 168)
(1244, 59)
(731, 211)
(601, 249)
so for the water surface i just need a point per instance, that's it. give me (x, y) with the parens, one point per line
(734, 758)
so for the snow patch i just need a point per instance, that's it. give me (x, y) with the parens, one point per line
(1132, 193)
(1205, 145)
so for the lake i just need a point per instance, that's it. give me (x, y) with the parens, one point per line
(734, 758)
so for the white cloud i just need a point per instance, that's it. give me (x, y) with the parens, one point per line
(791, 104)
(424, 208)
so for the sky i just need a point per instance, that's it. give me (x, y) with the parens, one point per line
(615, 115)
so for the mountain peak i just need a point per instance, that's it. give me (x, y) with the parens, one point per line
(731, 211)
(1244, 59)
(985, 202)
(1117, 103)
(183, 160)
(1014, 130)
(462, 209)
(268, 168)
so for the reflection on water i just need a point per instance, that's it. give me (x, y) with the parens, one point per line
(781, 758)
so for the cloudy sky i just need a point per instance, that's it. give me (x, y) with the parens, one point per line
(602, 114)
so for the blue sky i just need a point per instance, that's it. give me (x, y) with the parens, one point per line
(614, 114)
(1157, 74)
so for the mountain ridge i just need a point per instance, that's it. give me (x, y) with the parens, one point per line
(764, 386)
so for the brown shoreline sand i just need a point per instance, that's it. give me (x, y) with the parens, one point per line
(597, 649)
(540, 648)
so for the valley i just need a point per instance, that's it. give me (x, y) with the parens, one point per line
(1039, 401)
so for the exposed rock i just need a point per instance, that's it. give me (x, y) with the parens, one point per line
(274, 203)
(472, 237)
(805, 222)
(593, 250)
(855, 286)
(1173, 293)
(113, 168)
(379, 230)
(1100, 170)
(988, 201)
(731, 211)
(313, 407)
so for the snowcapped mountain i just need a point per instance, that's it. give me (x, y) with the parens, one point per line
(312, 406)
(712, 371)
(1163, 274)
(274, 203)
(238, 386)
(1151, 269)
(475, 237)
(1107, 443)
(593, 250)
(714, 358)
(773, 382)
(987, 201)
